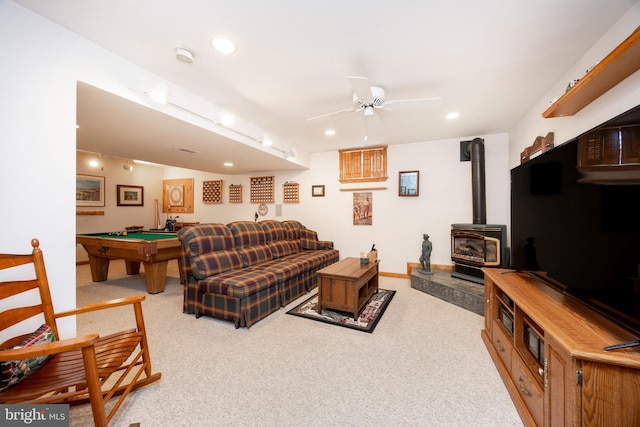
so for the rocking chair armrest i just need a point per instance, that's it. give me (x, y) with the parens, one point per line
(54, 347)
(102, 305)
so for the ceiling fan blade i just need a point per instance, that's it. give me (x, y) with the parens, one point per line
(334, 113)
(361, 87)
(411, 104)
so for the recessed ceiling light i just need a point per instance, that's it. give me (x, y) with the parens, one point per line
(226, 119)
(223, 45)
(228, 164)
(329, 132)
(452, 115)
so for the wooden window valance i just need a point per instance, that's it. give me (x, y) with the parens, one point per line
(363, 164)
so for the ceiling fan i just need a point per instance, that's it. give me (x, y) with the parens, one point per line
(367, 98)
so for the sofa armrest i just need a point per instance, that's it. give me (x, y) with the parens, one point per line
(322, 244)
(309, 240)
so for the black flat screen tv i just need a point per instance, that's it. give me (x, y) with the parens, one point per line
(583, 236)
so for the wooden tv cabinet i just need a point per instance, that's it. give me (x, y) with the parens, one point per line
(548, 349)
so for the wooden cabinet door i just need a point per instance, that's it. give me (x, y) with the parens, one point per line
(610, 395)
(562, 401)
(488, 314)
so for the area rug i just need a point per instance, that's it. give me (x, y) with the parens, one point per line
(366, 322)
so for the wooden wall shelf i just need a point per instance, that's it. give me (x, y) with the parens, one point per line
(89, 212)
(212, 191)
(262, 189)
(363, 189)
(623, 61)
(291, 192)
(235, 193)
(542, 144)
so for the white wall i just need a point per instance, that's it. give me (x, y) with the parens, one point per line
(398, 222)
(619, 99)
(37, 164)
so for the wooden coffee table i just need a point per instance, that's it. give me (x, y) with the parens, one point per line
(347, 285)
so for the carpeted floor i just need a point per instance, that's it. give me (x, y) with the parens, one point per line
(425, 365)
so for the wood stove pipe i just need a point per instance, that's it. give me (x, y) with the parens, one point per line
(478, 181)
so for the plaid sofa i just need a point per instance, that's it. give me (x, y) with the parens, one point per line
(243, 271)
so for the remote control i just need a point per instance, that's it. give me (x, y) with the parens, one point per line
(622, 345)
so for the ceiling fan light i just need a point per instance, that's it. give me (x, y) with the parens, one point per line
(368, 111)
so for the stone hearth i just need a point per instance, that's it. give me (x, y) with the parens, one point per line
(440, 284)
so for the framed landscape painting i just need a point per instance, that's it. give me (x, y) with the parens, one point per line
(89, 190)
(130, 195)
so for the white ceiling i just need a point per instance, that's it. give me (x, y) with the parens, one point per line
(488, 60)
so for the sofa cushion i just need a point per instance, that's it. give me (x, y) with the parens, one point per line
(283, 248)
(203, 244)
(211, 263)
(251, 255)
(247, 233)
(274, 230)
(185, 234)
(313, 260)
(285, 269)
(14, 371)
(239, 284)
(293, 228)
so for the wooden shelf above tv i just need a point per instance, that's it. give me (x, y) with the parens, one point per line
(623, 61)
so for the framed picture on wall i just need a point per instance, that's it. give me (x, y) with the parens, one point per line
(317, 190)
(409, 183)
(89, 190)
(130, 195)
(363, 208)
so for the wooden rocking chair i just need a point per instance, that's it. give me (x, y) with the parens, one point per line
(90, 368)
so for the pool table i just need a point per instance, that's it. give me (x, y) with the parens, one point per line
(153, 249)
